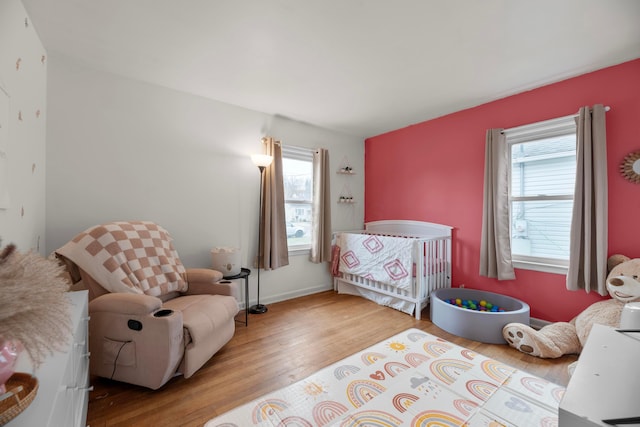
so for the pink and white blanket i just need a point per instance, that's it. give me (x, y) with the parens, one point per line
(381, 258)
(134, 257)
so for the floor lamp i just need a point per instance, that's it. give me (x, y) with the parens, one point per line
(261, 161)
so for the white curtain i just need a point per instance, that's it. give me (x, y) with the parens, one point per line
(495, 245)
(588, 246)
(321, 221)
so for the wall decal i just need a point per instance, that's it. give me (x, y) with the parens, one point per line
(18, 61)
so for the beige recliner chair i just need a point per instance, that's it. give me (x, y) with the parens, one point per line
(150, 317)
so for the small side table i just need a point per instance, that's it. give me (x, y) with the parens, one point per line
(244, 274)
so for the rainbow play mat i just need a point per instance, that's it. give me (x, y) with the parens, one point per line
(411, 379)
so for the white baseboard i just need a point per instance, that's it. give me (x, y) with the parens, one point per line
(289, 295)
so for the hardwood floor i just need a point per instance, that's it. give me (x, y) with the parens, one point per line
(291, 341)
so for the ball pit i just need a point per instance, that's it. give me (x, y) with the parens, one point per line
(474, 304)
(473, 320)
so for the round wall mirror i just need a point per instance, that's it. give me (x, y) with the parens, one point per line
(630, 167)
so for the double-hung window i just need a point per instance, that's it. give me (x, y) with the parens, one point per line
(297, 166)
(541, 188)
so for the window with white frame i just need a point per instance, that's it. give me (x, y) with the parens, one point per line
(541, 187)
(297, 166)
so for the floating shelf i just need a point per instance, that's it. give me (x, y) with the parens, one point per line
(346, 171)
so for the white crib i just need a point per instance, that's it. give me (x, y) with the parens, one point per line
(431, 258)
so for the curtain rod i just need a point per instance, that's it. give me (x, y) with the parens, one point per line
(514, 129)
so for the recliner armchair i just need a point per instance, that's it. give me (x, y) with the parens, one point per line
(150, 317)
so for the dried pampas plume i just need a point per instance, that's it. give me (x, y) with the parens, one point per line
(33, 306)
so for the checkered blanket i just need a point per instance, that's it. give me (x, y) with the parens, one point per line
(134, 257)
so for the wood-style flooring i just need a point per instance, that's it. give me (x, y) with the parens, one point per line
(291, 341)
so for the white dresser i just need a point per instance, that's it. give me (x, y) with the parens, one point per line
(63, 379)
(605, 383)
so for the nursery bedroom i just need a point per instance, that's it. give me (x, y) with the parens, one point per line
(319, 213)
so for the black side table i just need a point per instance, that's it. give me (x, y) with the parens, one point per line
(244, 274)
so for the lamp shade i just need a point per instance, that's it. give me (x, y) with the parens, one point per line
(261, 160)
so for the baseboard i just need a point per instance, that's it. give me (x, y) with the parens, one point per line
(538, 323)
(271, 299)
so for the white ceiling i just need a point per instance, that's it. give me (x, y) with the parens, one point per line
(363, 67)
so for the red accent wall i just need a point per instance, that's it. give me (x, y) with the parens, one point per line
(433, 171)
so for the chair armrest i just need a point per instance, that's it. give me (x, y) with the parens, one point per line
(133, 304)
(206, 281)
(204, 276)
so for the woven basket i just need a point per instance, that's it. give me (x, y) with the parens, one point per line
(13, 405)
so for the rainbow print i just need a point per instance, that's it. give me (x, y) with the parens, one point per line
(411, 379)
(436, 348)
(416, 336)
(327, 411)
(343, 371)
(369, 358)
(415, 359)
(468, 354)
(402, 401)
(393, 368)
(264, 409)
(361, 391)
(534, 385)
(371, 419)
(557, 393)
(497, 371)
(481, 389)
(549, 422)
(448, 370)
(436, 419)
(295, 422)
(465, 406)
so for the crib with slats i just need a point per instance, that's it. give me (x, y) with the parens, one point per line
(396, 263)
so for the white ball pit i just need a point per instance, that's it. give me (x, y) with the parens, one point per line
(483, 326)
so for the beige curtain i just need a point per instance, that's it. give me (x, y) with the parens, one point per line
(495, 245)
(274, 252)
(588, 246)
(321, 222)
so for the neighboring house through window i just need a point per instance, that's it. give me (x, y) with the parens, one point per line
(541, 188)
(297, 165)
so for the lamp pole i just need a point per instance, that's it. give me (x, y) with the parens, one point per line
(259, 308)
(261, 161)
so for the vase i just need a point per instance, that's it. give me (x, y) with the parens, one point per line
(9, 351)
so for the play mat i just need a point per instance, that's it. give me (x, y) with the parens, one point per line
(411, 379)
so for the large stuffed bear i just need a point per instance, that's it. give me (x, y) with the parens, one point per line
(560, 338)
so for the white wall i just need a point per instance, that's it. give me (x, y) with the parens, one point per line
(23, 76)
(120, 149)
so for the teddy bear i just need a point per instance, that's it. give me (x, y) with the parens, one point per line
(560, 338)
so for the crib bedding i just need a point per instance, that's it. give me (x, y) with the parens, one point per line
(384, 259)
(396, 263)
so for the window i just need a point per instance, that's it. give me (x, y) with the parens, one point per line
(541, 186)
(297, 166)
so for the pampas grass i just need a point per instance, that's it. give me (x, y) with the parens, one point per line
(34, 309)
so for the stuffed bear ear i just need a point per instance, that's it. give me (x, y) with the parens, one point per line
(615, 260)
